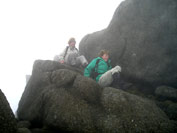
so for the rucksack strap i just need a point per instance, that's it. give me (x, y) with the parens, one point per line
(76, 49)
(96, 65)
(94, 72)
(108, 64)
(65, 52)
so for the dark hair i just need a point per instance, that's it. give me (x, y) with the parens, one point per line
(102, 52)
(71, 40)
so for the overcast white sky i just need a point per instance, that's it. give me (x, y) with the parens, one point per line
(40, 29)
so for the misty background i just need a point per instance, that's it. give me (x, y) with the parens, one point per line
(40, 29)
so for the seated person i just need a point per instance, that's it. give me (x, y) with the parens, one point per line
(71, 55)
(102, 67)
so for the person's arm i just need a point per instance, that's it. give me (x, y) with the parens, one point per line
(89, 68)
(61, 56)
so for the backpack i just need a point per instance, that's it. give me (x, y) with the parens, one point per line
(94, 72)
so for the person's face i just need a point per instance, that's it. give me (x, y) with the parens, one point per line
(105, 57)
(72, 44)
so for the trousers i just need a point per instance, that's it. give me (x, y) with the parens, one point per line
(110, 77)
(76, 60)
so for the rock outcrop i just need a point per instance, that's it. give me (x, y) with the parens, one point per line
(58, 97)
(166, 92)
(8, 122)
(169, 107)
(141, 38)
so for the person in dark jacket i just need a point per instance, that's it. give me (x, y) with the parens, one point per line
(104, 69)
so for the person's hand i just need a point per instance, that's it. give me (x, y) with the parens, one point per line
(62, 61)
(116, 69)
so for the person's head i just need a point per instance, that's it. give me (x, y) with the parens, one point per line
(72, 42)
(104, 54)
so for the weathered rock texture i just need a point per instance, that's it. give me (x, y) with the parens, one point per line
(23, 124)
(142, 39)
(7, 119)
(166, 92)
(60, 98)
(169, 107)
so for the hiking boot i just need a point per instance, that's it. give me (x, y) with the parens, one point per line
(116, 80)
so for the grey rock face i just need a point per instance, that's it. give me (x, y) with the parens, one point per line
(167, 92)
(172, 111)
(7, 119)
(131, 111)
(23, 130)
(63, 77)
(38, 130)
(170, 108)
(141, 38)
(23, 124)
(81, 105)
(87, 89)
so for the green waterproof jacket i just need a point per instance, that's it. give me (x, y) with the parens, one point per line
(102, 67)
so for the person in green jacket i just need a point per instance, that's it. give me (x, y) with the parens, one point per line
(103, 68)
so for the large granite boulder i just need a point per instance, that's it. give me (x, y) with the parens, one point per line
(8, 122)
(166, 92)
(60, 98)
(141, 38)
(169, 107)
(130, 113)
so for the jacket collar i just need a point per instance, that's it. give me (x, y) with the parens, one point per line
(71, 48)
(103, 60)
